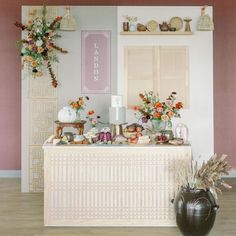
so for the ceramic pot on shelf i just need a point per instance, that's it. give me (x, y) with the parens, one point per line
(195, 211)
(132, 27)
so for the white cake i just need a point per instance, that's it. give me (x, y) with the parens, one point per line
(117, 112)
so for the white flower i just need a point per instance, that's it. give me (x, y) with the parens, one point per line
(165, 117)
(23, 50)
(39, 43)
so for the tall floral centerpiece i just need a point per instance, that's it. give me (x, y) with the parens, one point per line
(38, 48)
(159, 112)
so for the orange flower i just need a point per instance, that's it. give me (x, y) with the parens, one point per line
(156, 115)
(90, 112)
(75, 105)
(179, 105)
(33, 63)
(40, 49)
(135, 108)
(170, 114)
(158, 104)
(58, 18)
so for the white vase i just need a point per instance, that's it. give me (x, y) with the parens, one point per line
(132, 27)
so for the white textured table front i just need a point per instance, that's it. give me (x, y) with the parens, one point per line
(111, 185)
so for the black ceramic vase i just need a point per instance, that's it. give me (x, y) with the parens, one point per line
(195, 211)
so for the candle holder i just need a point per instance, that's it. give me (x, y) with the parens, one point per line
(187, 25)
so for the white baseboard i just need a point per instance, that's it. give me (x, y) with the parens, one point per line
(10, 173)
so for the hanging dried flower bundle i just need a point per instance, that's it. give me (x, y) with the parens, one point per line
(208, 176)
(38, 49)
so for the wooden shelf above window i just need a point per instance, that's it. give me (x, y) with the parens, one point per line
(156, 33)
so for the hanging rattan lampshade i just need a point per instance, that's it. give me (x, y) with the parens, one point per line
(205, 22)
(68, 21)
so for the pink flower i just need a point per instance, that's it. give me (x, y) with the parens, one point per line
(94, 121)
(168, 102)
(159, 109)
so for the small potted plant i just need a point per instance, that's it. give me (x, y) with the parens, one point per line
(130, 24)
(195, 204)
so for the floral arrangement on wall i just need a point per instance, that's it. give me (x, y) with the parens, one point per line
(152, 108)
(38, 48)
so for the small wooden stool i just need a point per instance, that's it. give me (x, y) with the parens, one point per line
(77, 125)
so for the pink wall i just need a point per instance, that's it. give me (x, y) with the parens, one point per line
(224, 72)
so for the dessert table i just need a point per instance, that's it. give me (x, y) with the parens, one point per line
(111, 185)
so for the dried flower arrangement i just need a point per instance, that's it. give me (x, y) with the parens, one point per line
(154, 109)
(130, 19)
(38, 49)
(208, 176)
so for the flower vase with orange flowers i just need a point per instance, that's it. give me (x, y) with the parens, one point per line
(78, 106)
(159, 112)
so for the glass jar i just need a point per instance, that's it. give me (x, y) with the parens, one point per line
(181, 132)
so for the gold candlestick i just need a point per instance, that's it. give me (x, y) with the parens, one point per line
(187, 26)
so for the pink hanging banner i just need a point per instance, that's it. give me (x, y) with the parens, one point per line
(96, 61)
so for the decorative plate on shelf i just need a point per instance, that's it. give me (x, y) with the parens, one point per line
(152, 26)
(176, 22)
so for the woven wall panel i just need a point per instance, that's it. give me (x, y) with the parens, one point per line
(43, 114)
(36, 169)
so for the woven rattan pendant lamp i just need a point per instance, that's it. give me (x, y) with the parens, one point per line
(205, 22)
(68, 21)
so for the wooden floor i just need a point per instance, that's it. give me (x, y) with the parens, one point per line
(22, 214)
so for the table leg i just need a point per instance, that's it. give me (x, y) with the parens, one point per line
(81, 129)
(59, 131)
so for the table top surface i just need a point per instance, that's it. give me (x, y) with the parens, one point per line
(69, 123)
(48, 145)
